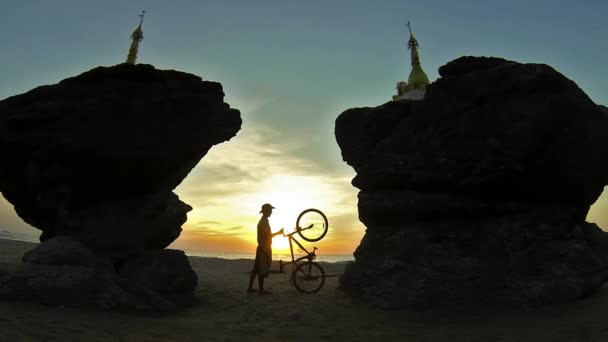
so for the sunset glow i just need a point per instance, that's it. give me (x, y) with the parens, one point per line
(289, 194)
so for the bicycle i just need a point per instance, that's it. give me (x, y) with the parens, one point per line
(308, 276)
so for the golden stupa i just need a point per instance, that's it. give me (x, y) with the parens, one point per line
(417, 82)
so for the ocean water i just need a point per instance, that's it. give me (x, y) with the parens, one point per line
(5, 234)
(223, 255)
(284, 257)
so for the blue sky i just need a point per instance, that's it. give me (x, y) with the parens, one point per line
(292, 66)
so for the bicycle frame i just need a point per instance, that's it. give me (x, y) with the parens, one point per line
(306, 275)
(309, 255)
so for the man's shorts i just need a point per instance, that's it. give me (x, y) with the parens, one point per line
(263, 259)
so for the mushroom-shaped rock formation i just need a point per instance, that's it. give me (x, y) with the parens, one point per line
(478, 193)
(97, 156)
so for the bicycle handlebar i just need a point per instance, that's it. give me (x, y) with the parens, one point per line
(298, 229)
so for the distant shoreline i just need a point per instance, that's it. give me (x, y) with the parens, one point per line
(276, 256)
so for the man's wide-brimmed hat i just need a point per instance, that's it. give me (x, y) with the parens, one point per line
(265, 207)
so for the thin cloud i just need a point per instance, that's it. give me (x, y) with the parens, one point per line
(237, 228)
(203, 223)
(210, 233)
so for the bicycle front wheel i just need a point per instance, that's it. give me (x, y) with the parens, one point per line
(312, 225)
(309, 277)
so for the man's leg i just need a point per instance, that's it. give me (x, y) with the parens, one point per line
(254, 272)
(251, 279)
(261, 284)
(264, 263)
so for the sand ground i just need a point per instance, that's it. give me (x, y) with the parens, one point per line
(227, 313)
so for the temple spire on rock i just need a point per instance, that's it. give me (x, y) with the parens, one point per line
(136, 37)
(417, 82)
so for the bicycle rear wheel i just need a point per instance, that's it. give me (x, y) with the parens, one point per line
(316, 220)
(309, 277)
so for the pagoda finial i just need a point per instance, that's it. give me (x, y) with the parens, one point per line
(412, 42)
(141, 17)
(136, 37)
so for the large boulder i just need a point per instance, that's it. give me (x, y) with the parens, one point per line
(64, 250)
(92, 162)
(63, 271)
(66, 285)
(98, 155)
(479, 192)
(166, 272)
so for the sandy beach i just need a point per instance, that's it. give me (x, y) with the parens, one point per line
(227, 313)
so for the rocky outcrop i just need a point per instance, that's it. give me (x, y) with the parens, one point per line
(479, 192)
(62, 271)
(166, 272)
(96, 158)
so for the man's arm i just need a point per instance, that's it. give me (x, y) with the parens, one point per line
(277, 233)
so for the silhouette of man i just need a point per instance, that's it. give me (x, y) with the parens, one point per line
(263, 254)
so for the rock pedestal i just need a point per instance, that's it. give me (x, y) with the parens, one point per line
(478, 193)
(96, 157)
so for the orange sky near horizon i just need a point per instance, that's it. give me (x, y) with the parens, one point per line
(192, 241)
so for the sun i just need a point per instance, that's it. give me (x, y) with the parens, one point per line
(280, 244)
(290, 195)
